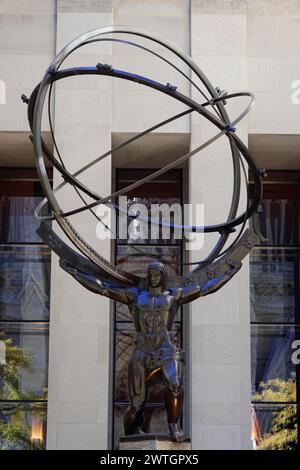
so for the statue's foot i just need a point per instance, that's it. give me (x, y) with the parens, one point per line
(134, 431)
(139, 430)
(176, 432)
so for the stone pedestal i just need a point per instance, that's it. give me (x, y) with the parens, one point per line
(152, 442)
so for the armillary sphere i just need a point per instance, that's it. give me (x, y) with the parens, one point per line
(211, 107)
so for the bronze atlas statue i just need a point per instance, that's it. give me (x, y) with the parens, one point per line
(153, 299)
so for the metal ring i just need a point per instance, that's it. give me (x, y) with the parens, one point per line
(225, 127)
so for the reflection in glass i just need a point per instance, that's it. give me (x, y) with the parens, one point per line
(136, 262)
(24, 375)
(271, 355)
(279, 218)
(274, 427)
(273, 288)
(125, 336)
(22, 426)
(17, 221)
(24, 282)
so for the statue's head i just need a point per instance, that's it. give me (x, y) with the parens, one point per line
(156, 275)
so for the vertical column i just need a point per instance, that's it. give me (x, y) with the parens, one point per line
(21, 23)
(220, 342)
(80, 320)
(137, 107)
(274, 66)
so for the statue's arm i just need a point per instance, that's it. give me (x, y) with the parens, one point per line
(209, 279)
(189, 293)
(184, 295)
(92, 283)
(214, 284)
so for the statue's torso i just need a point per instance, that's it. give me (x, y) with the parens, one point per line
(153, 313)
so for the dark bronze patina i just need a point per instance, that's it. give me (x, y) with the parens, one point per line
(153, 303)
(154, 357)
